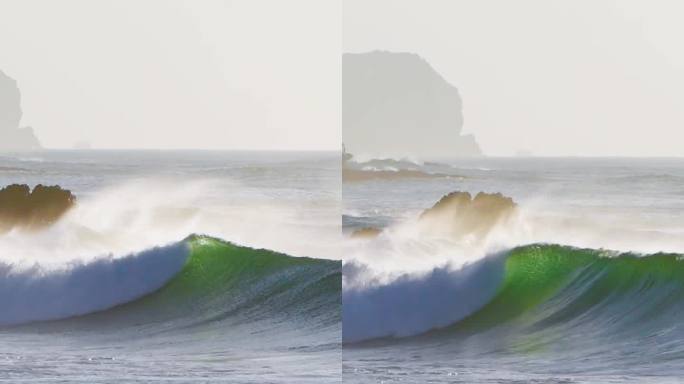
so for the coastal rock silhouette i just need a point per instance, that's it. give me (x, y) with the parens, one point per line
(381, 169)
(396, 105)
(21, 207)
(366, 233)
(12, 136)
(461, 215)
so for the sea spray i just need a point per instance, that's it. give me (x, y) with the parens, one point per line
(200, 279)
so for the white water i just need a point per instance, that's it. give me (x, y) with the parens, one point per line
(413, 304)
(78, 288)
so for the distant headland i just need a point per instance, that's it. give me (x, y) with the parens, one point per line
(12, 136)
(396, 105)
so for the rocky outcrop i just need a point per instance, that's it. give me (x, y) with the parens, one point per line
(462, 216)
(12, 136)
(366, 233)
(396, 105)
(23, 208)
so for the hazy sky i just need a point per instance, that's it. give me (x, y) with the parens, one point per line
(245, 74)
(581, 77)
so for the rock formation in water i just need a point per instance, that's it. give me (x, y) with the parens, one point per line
(382, 169)
(23, 208)
(397, 105)
(366, 233)
(462, 216)
(12, 137)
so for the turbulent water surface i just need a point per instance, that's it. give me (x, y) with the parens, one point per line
(577, 278)
(175, 266)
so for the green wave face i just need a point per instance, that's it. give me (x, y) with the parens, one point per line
(553, 286)
(221, 280)
(223, 284)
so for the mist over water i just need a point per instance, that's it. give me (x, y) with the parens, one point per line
(132, 200)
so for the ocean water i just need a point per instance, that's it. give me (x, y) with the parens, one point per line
(579, 278)
(175, 266)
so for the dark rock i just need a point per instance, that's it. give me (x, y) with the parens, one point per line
(21, 207)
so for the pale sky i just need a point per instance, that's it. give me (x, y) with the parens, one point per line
(580, 77)
(243, 74)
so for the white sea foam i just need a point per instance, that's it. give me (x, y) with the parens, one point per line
(34, 293)
(414, 303)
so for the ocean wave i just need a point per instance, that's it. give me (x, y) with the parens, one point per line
(538, 289)
(413, 304)
(36, 293)
(196, 281)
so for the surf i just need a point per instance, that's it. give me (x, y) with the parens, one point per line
(548, 293)
(561, 287)
(199, 280)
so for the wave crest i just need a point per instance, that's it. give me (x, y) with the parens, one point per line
(201, 280)
(35, 293)
(532, 291)
(413, 304)
(462, 216)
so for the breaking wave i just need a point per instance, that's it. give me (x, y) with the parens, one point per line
(535, 289)
(195, 281)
